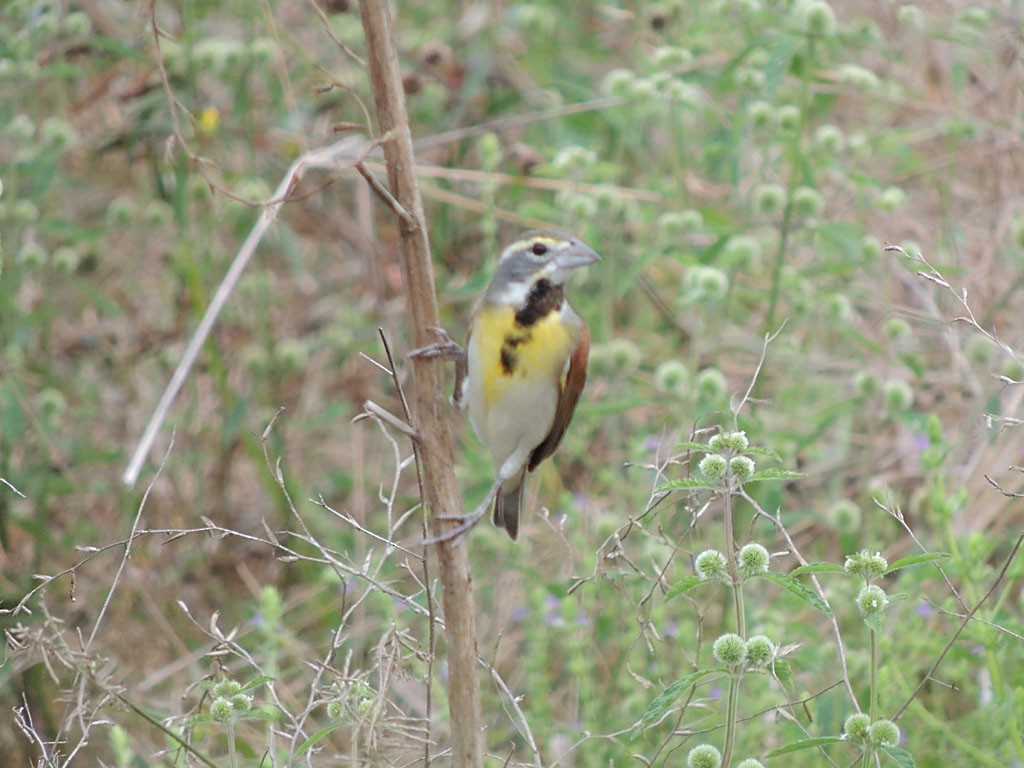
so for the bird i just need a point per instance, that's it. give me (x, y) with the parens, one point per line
(525, 362)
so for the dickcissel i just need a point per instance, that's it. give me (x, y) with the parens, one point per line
(525, 362)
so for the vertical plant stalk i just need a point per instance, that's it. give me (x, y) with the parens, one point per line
(732, 703)
(872, 705)
(433, 435)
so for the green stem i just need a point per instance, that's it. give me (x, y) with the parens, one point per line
(732, 704)
(873, 705)
(866, 760)
(734, 571)
(232, 754)
(780, 260)
(794, 156)
(732, 707)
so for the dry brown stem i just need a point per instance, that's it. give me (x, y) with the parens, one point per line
(434, 440)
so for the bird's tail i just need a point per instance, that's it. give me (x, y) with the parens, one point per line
(507, 505)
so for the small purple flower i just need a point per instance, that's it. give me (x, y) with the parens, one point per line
(583, 620)
(925, 610)
(921, 441)
(671, 630)
(715, 692)
(519, 613)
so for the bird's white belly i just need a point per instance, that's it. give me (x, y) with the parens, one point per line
(517, 420)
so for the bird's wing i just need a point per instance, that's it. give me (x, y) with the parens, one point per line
(575, 380)
(459, 399)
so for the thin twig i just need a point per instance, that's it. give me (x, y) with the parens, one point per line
(386, 196)
(963, 625)
(346, 152)
(128, 547)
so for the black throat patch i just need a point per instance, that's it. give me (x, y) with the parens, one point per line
(544, 297)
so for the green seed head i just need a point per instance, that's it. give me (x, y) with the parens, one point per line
(891, 198)
(705, 284)
(818, 18)
(670, 57)
(845, 516)
(711, 383)
(856, 726)
(830, 138)
(866, 383)
(760, 651)
(742, 467)
(221, 710)
(714, 466)
(884, 733)
(711, 565)
(858, 77)
(808, 202)
(787, 117)
(910, 16)
(899, 395)
(672, 376)
(730, 650)
(754, 559)
(761, 114)
(770, 199)
(872, 600)
(675, 224)
(618, 82)
(704, 756)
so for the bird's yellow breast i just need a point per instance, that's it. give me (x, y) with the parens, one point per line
(505, 355)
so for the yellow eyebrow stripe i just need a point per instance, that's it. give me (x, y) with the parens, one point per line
(522, 245)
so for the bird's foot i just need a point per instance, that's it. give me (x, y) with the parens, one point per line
(466, 524)
(446, 349)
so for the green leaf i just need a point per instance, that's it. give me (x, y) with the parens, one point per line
(901, 757)
(794, 587)
(688, 446)
(198, 719)
(796, 746)
(267, 713)
(817, 568)
(683, 586)
(689, 483)
(774, 474)
(256, 682)
(309, 743)
(667, 699)
(875, 621)
(763, 452)
(783, 673)
(927, 557)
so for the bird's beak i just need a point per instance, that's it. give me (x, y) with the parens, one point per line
(578, 255)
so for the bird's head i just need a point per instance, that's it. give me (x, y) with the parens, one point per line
(541, 254)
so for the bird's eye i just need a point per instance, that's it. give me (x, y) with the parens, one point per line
(539, 249)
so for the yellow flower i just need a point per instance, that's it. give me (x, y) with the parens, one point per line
(209, 121)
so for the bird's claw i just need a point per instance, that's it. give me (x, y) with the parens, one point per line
(466, 523)
(446, 349)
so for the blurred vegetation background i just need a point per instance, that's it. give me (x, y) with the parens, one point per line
(739, 164)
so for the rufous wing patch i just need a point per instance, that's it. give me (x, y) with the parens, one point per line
(575, 380)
